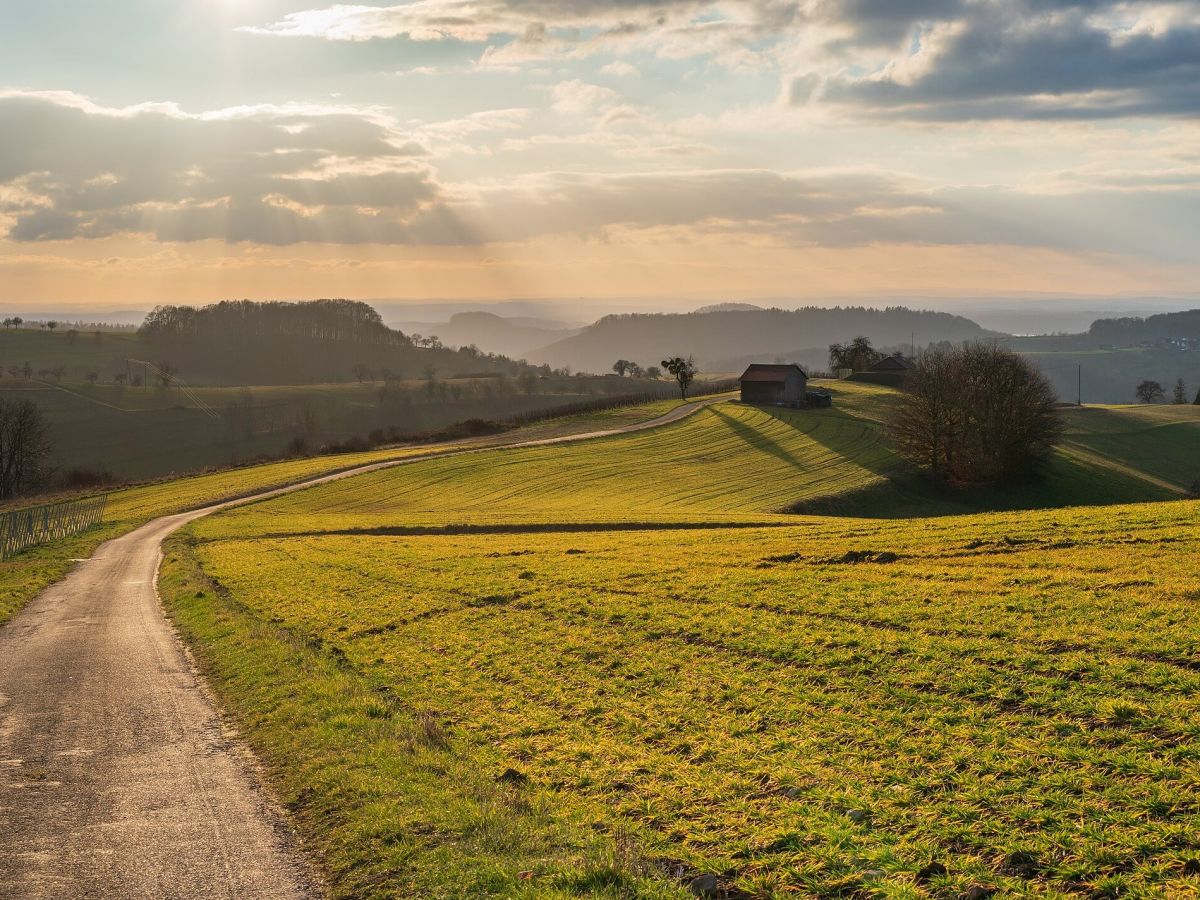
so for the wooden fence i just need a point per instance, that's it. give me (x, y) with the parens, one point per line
(23, 528)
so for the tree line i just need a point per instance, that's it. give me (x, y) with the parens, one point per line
(1153, 392)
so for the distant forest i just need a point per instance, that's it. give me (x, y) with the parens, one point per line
(725, 340)
(1164, 326)
(290, 343)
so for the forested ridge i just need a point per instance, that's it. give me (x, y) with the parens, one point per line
(314, 341)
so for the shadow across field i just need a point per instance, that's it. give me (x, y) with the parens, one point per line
(525, 528)
(903, 491)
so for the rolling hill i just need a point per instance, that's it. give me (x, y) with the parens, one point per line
(732, 461)
(725, 340)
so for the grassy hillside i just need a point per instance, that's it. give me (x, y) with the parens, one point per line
(736, 461)
(610, 668)
(147, 432)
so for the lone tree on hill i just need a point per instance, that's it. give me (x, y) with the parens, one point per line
(683, 371)
(1150, 392)
(1180, 392)
(24, 446)
(976, 415)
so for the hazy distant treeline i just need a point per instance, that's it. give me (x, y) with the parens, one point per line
(283, 343)
(726, 340)
(1152, 328)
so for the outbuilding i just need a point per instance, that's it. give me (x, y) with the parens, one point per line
(895, 363)
(779, 385)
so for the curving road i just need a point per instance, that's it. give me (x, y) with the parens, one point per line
(118, 776)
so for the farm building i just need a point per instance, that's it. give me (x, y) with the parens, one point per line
(779, 385)
(892, 371)
(894, 363)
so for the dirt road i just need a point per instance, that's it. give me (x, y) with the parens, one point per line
(118, 777)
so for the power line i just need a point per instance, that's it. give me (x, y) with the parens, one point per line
(183, 388)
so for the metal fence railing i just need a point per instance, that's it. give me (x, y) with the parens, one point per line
(23, 528)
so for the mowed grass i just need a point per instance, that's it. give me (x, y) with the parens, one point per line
(604, 669)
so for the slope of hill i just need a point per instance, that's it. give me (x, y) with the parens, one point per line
(729, 462)
(722, 340)
(594, 670)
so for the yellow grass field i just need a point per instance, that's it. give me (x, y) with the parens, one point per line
(612, 668)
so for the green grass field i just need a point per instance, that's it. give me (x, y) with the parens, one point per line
(607, 668)
(22, 577)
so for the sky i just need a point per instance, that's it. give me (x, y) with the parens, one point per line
(195, 150)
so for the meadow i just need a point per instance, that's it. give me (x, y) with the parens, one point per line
(613, 668)
(22, 577)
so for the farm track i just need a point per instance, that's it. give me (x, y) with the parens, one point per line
(118, 777)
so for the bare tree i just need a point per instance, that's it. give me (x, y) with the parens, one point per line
(976, 415)
(858, 355)
(683, 371)
(1150, 392)
(24, 446)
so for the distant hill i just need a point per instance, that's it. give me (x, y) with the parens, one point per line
(721, 341)
(245, 342)
(1131, 330)
(728, 307)
(511, 336)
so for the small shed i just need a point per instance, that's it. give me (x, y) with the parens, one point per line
(894, 363)
(781, 385)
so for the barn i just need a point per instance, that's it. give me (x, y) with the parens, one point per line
(895, 363)
(782, 385)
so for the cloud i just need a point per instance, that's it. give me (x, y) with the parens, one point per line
(284, 175)
(1031, 60)
(618, 68)
(926, 60)
(272, 175)
(538, 29)
(577, 96)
